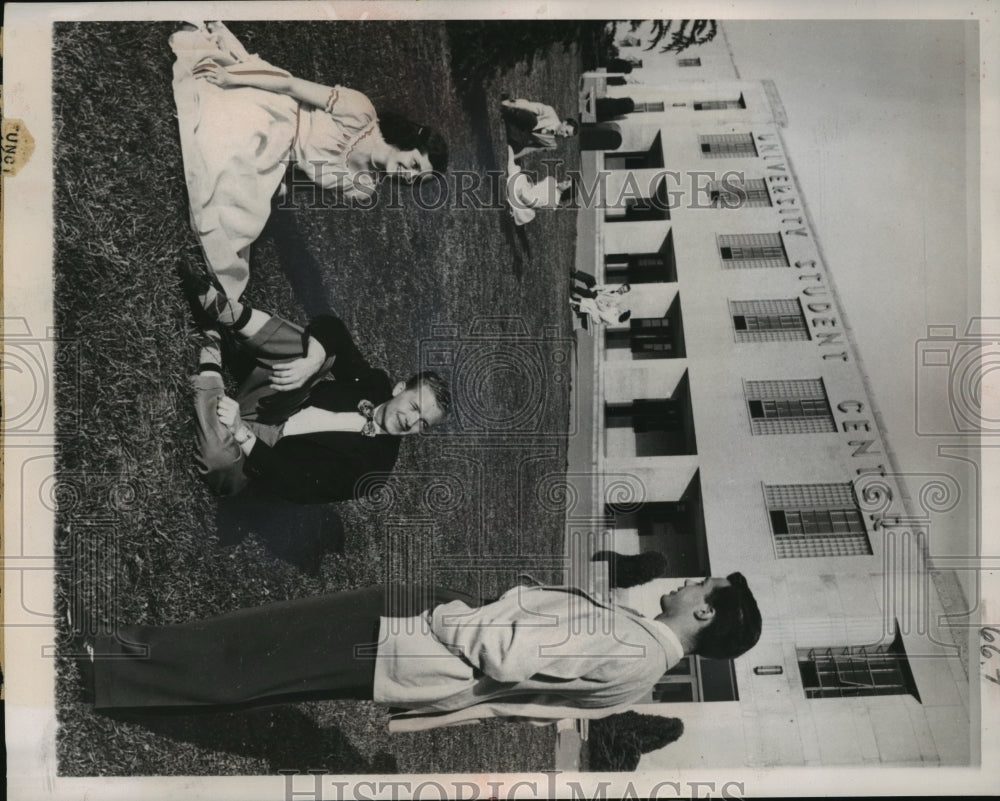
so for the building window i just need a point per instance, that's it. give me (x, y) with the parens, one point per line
(694, 679)
(689, 62)
(652, 106)
(720, 105)
(768, 320)
(816, 520)
(641, 209)
(650, 337)
(639, 268)
(849, 671)
(724, 146)
(745, 251)
(642, 268)
(735, 195)
(789, 407)
(675, 529)
(652, 426)
(639, 159)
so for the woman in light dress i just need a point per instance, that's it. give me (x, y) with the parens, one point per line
(525, 196)
(241, 120)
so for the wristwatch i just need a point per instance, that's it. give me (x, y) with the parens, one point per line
(242, 435)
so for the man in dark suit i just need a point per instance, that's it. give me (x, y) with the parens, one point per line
(533, 126)
(312, 419)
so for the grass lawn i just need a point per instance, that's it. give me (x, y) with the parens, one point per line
(139, 537)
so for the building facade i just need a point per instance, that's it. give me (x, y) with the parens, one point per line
(733, 430)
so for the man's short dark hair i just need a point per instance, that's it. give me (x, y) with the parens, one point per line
(438, 387)
(736, 626)
(567, 196)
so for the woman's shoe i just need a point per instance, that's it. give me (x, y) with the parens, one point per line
(83, 654)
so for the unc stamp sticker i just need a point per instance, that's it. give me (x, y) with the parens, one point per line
(18, 145)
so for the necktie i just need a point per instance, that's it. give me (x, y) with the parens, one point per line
(367, 409)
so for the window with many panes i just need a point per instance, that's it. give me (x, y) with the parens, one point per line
(788, 407)
(733, 194)
(650, 106)
(697, 679)
(725, 146)
(689, 62)
(745, 251)
(652, 335)
(816, 520)
(779, 320)
(642, 268)
(720, 105)
(849, 671)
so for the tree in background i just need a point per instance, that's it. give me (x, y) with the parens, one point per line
(480, 49)
(617, 742)
(688, 33)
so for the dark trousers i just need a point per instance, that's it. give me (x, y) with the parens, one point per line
(322, 647)
(587, 280)
(219, 458)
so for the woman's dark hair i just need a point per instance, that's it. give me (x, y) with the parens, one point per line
(736, 626)
(400, 132)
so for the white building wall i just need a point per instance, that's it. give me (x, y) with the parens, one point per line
(805, 602)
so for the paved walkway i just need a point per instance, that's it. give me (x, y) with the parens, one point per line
(583, 520)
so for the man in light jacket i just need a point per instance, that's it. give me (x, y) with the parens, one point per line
(541, 653)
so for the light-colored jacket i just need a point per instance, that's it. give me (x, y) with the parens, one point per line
(547, 116)
(543, 653)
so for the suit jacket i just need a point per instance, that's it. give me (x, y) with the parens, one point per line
(526, 122)
(329, 466)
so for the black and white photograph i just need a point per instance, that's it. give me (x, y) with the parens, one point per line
(472, 400)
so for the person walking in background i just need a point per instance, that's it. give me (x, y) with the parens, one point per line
(599, 303)
(533, 126)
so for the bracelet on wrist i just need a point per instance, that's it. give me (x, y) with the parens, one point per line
(242, 435)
